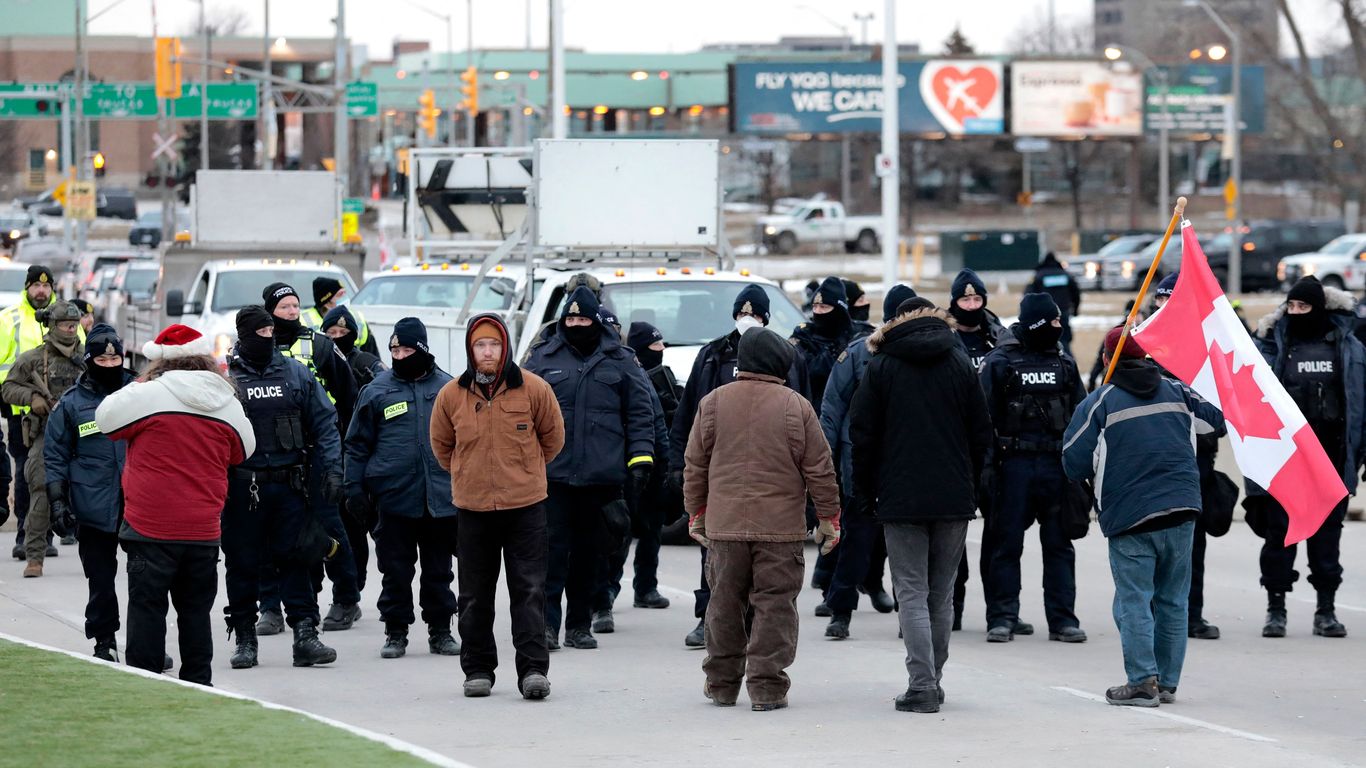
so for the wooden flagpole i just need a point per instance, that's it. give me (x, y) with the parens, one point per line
(1143, 289)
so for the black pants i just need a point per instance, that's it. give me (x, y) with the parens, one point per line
(1196, 606)
(861, 537)
(99, 553)
(358, 537)
(519, 538)
(647, 522)
(259, 533)
(1322, 550)
(188, 573)
(14, 442)
(400, 543)
(341, 570)
(1032, 486)
(574, 527)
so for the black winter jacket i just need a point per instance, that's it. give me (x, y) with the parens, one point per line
(919, 423)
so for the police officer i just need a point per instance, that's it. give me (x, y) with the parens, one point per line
(1310, 346)
(391, 474)
(716, 364)
(330, 368)
(1031, 387)
(20, 331)
(1052, 278)
(860, 311)
(267, 516)
(340, 326)
(609, 442)
(860, 557)
(327, 295)
(84, 469)
(979, 331)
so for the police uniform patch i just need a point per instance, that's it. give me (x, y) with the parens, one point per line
(88, 428)
(843, 355)
(748, 307)
(817, 298)
(393, 341)
(341, 322)
(109, 349)
(42, 277)
(970, 290)
(397, 409)
(574, 308)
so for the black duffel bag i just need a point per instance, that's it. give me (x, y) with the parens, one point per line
(1219, 495)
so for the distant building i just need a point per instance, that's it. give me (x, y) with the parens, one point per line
(1168, 31)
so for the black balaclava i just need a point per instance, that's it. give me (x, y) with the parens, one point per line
(286, 331)
(836, 321)
(855, 292)
(255, 349)
(1037, 313)
(410, 332)
(639, 338)
(341, 317)
(967, 283)
(103, 340)
(583, 338)
(1316, 323)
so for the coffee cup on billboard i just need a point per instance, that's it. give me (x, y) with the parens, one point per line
(1078, 114)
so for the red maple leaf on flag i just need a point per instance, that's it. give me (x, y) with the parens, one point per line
(1243, 402)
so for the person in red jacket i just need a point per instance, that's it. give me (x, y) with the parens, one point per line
(184, 427)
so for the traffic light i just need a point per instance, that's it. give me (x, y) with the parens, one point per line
(427, 113)
(98, 162)
(168, 67)
(470, 90)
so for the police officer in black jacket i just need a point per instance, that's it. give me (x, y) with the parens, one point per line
(822, 339)
(267, 517)
(717, 364)
(1032, 387)
(609, 443)
(340, 326)
(1052, 278)
(392, 475)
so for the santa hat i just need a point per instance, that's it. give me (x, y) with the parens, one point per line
(175, 342)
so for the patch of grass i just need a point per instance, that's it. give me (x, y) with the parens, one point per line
(60, 711)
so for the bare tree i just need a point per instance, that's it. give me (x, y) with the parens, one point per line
(221, 20)
(1069, 35)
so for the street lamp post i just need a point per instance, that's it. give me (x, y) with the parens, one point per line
(1117, 52)
(1235, 253)
(889, 163)
(863, 19)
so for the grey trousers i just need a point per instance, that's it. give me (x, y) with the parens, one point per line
(924, 561)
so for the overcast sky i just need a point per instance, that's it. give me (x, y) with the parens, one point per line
(631, 25)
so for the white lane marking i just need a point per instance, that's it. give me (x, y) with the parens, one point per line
(422, 753)
(1339, 606)
(1158, 712)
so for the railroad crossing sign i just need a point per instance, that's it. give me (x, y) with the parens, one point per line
(165, 146)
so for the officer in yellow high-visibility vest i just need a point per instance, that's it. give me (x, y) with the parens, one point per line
(20, 331)
(327, 293)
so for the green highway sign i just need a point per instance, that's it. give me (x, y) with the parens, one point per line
(128, 101)
(353, 205)
(362, 99)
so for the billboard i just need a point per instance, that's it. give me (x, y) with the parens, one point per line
(953, 96)
(1074, 98)
(1197, 98)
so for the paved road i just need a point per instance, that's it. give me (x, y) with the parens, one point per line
(1244, 700)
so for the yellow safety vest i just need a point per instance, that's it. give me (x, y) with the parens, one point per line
(311, 318)
(302, 350)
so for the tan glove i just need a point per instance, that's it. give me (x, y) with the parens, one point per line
(697, 528)
(40, 405)
(827, 534)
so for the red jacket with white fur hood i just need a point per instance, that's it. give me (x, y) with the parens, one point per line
(184, 430)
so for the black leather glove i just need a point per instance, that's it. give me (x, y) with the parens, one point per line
(676, 482)
(640, 479)
(359, 509)
(63, 520)
(332, 488)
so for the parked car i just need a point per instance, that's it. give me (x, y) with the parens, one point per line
(1340, 264)
(819, 221)
(87, 273)
(1126, 273)
(12, 275)
(134, 282)
(17, 224)
(1088, 269)
(147, 230)
(112, 202)
(1264, 243)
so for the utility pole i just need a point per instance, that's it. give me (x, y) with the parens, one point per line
(469, 64)
(204, 94)
(889, 163)
(559, 121)
(82, 130)
(340, 123)
(863, 19)
(267, 99)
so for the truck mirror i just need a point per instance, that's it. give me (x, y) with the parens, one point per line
(175, 303)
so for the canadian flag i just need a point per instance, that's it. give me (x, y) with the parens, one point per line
(1198, 337)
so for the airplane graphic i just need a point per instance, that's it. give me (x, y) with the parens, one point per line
(958, 94)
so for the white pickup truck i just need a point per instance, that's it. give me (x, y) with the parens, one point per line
(819, 221)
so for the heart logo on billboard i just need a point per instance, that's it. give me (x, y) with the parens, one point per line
(955, 92)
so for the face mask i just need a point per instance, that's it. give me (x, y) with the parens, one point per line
(1043, 338)
(860, 313)
(107, 379)
(584, 338)
(650, 358)
(287, 331)
(831, 323)
(255, 349)
(64, 339)
(413, 367)
(967, 318)
(346, 343)
(1311, 325)
(747, 322)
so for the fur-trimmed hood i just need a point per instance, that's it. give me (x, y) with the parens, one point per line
(924, 334)
(1335, 300)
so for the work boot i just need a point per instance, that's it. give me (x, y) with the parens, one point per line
(719, 698)
(823, 610)
(1065, 634)
(68, 540)
(33, 569)
(1275, 615)
(51, 550)
(167, 662)
(1000, 635)
(535, 686)
(341, 617)
(651, 599)
(580, 638)
(1145, 694)
(18, 553)
(768, 706)
(552, 640)
(272, 622)
(697, 638)
(477, 686)
(395, 642)
(924, 702)
(1326, 622)
(1201, 630)
(308, 649)
(106, 648)
(882, 602)
(441, 643)
(244, 655)
(603, 622)
(1023, 628)
(838, 629)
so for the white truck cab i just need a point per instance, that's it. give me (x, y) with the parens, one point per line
(819, 221)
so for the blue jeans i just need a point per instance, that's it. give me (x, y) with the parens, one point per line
(1152, 573)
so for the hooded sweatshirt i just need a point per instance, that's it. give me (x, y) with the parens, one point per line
(184, 429)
